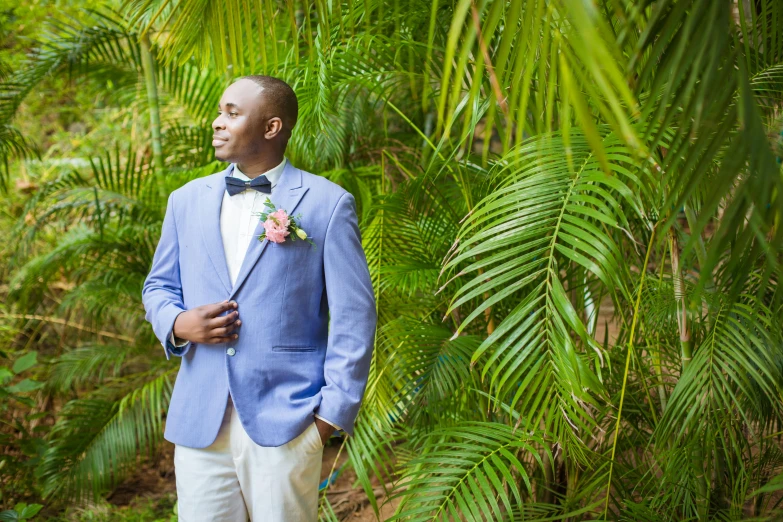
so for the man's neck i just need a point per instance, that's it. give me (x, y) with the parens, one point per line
(253, 169)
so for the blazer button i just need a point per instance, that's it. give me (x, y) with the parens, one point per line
(231, 351)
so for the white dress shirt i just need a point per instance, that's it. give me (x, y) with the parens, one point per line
(238, 220)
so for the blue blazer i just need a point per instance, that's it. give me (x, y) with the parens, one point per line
(308, 314)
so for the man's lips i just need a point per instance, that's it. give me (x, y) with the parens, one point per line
(218, 141)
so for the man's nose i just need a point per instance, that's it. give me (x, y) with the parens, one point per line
(216, 124)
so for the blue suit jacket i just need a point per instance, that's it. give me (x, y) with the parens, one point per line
(308, 314)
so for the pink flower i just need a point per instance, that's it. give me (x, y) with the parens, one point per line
(281, 217)
(277, 231)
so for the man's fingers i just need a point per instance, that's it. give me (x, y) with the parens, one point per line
(221, 327)
(219, 308)
(225, 331)
(216, 340)
(224, 320)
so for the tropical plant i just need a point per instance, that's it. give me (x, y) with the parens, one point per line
(525, 170)
(20, 512)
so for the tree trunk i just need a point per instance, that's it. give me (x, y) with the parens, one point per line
(152, 101)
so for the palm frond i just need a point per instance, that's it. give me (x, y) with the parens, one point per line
(473, 471)
(542, 219)
(98, 441)
(89, 364)
(76, 49)
(737, 365)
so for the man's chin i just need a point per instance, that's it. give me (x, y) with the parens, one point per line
(221, 155)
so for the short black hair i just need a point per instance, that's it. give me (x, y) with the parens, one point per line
(281, 95)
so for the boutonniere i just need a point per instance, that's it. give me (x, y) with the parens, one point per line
(278, 225)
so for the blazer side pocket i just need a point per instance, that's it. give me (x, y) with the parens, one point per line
(282, 348)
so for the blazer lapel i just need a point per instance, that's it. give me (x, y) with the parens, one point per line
(211, 201)
(286, 195)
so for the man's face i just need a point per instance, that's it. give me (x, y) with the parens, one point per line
(241, 127)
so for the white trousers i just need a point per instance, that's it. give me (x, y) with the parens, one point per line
(234, 478)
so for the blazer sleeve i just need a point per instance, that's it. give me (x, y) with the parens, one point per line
(352, 318)
(162, 291)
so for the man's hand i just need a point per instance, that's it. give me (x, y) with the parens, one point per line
(205, 325)
(324, 429)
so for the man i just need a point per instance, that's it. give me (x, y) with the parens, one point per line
(275, 338)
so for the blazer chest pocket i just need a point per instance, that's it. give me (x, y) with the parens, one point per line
(281, 348)
(290, 243)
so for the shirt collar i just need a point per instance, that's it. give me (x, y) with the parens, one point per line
(273, 174)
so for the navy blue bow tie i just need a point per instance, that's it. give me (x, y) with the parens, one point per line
(236, 185)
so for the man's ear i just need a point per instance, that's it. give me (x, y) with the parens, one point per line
(274, 126)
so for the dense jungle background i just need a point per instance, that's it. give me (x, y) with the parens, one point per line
(571, 210)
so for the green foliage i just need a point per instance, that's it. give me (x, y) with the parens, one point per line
(526, 172)
(20, 512)
(471, 470)
(162, 509)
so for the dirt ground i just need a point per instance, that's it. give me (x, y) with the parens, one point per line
(346, 496)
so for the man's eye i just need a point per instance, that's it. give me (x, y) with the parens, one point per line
(233, 113)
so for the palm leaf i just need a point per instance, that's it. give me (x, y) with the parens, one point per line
(736, 365)
(472, 471)
(541, 220)
(98, 441)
